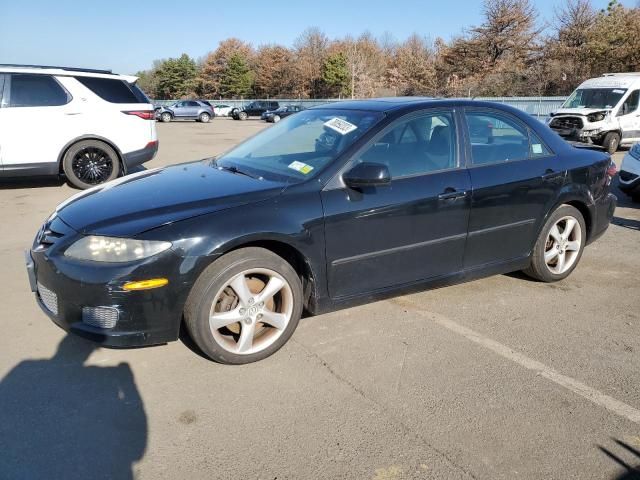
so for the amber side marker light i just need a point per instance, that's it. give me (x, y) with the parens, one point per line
(145, 284)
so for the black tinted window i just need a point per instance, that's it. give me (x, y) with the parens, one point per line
(140, 95)
(191, 104)
(109, 89)
(420, 145)
(36, 91)
(496, 138)
(631, 103)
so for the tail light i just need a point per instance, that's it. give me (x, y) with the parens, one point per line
(612, 169)
(143, 114)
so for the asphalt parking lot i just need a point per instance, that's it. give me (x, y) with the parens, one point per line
(499, 378)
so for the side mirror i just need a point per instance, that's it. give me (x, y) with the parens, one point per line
(367, 174)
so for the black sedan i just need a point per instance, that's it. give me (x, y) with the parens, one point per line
(330, 207)
(274, 116)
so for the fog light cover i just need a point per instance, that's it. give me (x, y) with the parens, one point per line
(100, 317)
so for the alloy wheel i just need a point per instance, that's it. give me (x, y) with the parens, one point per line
(562, 247)
(251, 311)
(92, 165)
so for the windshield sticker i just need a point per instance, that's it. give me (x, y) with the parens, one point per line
(536, 148)
(341, 126)
(301, 167)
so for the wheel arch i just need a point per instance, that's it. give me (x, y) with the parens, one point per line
(294, 256)
(81, 138)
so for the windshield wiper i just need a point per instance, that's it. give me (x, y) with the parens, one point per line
(236, 170)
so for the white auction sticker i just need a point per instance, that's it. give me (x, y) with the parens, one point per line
(300, 167)
(537, 148)
(341, 126)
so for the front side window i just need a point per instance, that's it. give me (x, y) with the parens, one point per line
(419, 145)
(594, 98)
(496, 138)
(36, 91)
(300, 146)
(110, 89)
(630, 105)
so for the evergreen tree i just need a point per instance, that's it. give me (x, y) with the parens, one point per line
(175, 77)
(335, 74)
(237, 78)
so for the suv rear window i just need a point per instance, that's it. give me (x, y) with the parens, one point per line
(140, 95)
(29, 90)
(110, 89)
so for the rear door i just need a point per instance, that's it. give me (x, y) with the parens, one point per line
(412, 229)
(515, 178)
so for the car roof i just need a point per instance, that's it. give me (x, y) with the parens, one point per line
(399, 104)
(65, 71)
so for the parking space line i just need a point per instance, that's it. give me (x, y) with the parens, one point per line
(585, 391)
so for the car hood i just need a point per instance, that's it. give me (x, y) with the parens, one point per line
(145, 200)
(578, 111)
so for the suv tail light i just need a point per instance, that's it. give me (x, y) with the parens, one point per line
(143, 114)
(612, 170)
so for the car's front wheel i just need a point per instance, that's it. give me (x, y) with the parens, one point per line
(611, 142)
(89, 163)
(559, 246)
(243, 115)
(276, 118)
(165, 117)
(244, 306)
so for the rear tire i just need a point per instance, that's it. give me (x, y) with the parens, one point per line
(559, 247)
(89, 163)
(232, 296)
(611, 142)
(204, 117)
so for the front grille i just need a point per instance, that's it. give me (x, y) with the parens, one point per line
(101, 317)
(49, 299)
(627, 176)
(566, 122)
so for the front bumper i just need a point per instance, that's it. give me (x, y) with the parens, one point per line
(145, 317)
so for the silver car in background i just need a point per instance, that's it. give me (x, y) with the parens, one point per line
(198, 110)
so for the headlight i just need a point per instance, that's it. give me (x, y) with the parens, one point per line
(635, 151)
(111, 249)
(596, 116)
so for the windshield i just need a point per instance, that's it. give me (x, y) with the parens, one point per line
(594, 98)
(300, 146)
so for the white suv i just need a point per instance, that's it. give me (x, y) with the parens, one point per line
(90, 125)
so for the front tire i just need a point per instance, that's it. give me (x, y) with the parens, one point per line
(242, 116)
(611, 142)
(165, 117)
(276, 118)
(559, 246)
(244, 307)
(89, 163)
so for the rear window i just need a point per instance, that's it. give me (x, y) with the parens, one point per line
(111, 90)
(140, 95)
(36, 91)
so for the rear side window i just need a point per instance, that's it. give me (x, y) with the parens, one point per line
(36, 91)
(496, 138)
(110, 89)
(140, 95)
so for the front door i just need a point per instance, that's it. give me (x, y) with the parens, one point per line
(412, 229)
(516, 179)
(629, 118)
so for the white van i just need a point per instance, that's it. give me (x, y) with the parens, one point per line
(603, 111)
(90, 125)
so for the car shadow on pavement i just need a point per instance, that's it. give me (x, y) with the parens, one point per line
(31, 182)
(632, 469)
(626, 223)
(61, 418)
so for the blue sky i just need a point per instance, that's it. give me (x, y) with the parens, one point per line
(127, 36)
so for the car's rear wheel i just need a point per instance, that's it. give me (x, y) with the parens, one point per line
(559, 246)
(204, 117)
(244, 306)
(276, 118)
(611, 142)
(165, 117)
(243, 115)
(89, 163)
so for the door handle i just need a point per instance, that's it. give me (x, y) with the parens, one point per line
(451, 194)
(550, 175)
